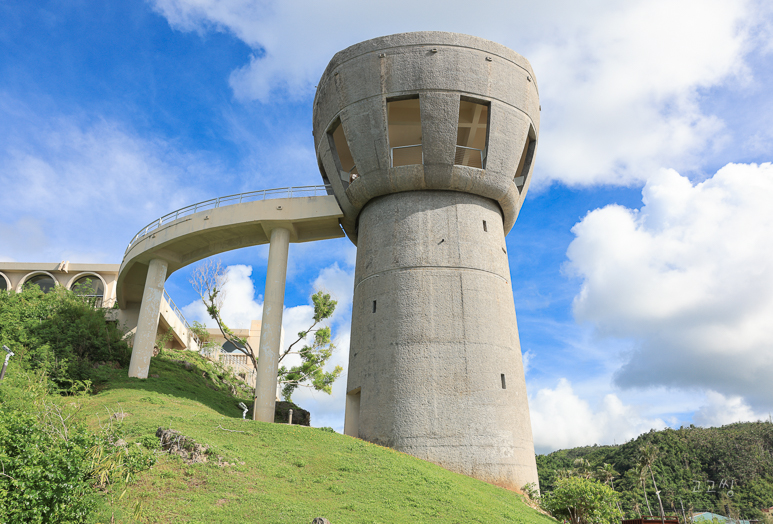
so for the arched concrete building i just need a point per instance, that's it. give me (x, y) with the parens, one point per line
(427, 140)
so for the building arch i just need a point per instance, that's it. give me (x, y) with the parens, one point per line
(5, 282)
(33, 274)
(79, 276)
(97, 294)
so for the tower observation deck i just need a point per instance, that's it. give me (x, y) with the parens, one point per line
(427, 141)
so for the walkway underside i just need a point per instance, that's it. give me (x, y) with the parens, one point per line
(206, 233)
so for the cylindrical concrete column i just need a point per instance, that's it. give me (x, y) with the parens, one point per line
(435, 365)
(271, 328)
(147, 325)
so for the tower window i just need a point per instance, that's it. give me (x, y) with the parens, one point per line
(504, 386)
(404, 121)
(346, 167)
(485, 228)
(374, 306)
(471, 134)
(526, 158)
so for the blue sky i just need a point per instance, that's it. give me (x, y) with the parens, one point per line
(641, 260)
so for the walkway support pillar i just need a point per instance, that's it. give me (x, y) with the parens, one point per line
(271, 328)
(147, 324)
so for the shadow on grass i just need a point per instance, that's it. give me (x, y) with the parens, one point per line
(168, 377)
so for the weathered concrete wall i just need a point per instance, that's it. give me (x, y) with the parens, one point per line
(441, 68)
(434, 331)
(435, 366)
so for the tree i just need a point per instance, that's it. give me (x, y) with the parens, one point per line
(209, 280)
(607, 473)
(582, 468)
(643, 479)
(583, 501)
(60, 333)
(647, 455)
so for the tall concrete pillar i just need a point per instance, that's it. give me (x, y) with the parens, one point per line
(147, 325)
(271, 327)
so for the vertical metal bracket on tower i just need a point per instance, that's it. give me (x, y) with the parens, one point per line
(271, 327)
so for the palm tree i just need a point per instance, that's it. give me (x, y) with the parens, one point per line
(582, 468)
(647, 457)
(642, 471)
(607, 473)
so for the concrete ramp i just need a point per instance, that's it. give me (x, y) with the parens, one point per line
(193, 237)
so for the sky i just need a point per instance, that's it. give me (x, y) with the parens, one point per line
(641, 260)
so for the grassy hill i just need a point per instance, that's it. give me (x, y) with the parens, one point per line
(700, 468)
(274, 473)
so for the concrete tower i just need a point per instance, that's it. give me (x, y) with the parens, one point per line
(428, 141)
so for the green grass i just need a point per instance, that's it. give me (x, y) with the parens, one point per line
(278, 473)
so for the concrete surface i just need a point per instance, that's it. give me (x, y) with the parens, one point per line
(147, 325)
(271, 326)
(200, 235)
(435, 365)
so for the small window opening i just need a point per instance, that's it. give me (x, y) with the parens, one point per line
(471, 134)
(3, 283)
(485, 228)
(374, 306)
(347, 169)
(504, 386)
(525, 163)
(404, 122)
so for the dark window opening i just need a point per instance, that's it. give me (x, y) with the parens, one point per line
(484, 226)
(374, 306)
(404, 124)
(471, 134)
(3, 283)
(345, 162)
(230, 347)
(45, 282)
(525, 163)
(90, 288)
(504, 386)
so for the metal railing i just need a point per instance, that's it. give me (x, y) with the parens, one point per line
(409, 158)
(251, 196)
(469, 156)
(239, 360)
(96, 301)
(181, 317)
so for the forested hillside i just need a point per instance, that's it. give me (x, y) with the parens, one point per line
(724, 470)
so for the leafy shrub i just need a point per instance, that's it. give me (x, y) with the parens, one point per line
(60, 333)
(45, 476)
(583, 501)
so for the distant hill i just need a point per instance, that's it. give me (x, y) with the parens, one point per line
(699, 468)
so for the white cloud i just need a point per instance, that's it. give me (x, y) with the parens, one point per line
(721, 410)
(240, 305)
(339, 283)
(689, 276)
(560, 419)
(54, 165)
(622, 82)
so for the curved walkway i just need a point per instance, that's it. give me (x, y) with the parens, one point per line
(275, 216)
(222, 224)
